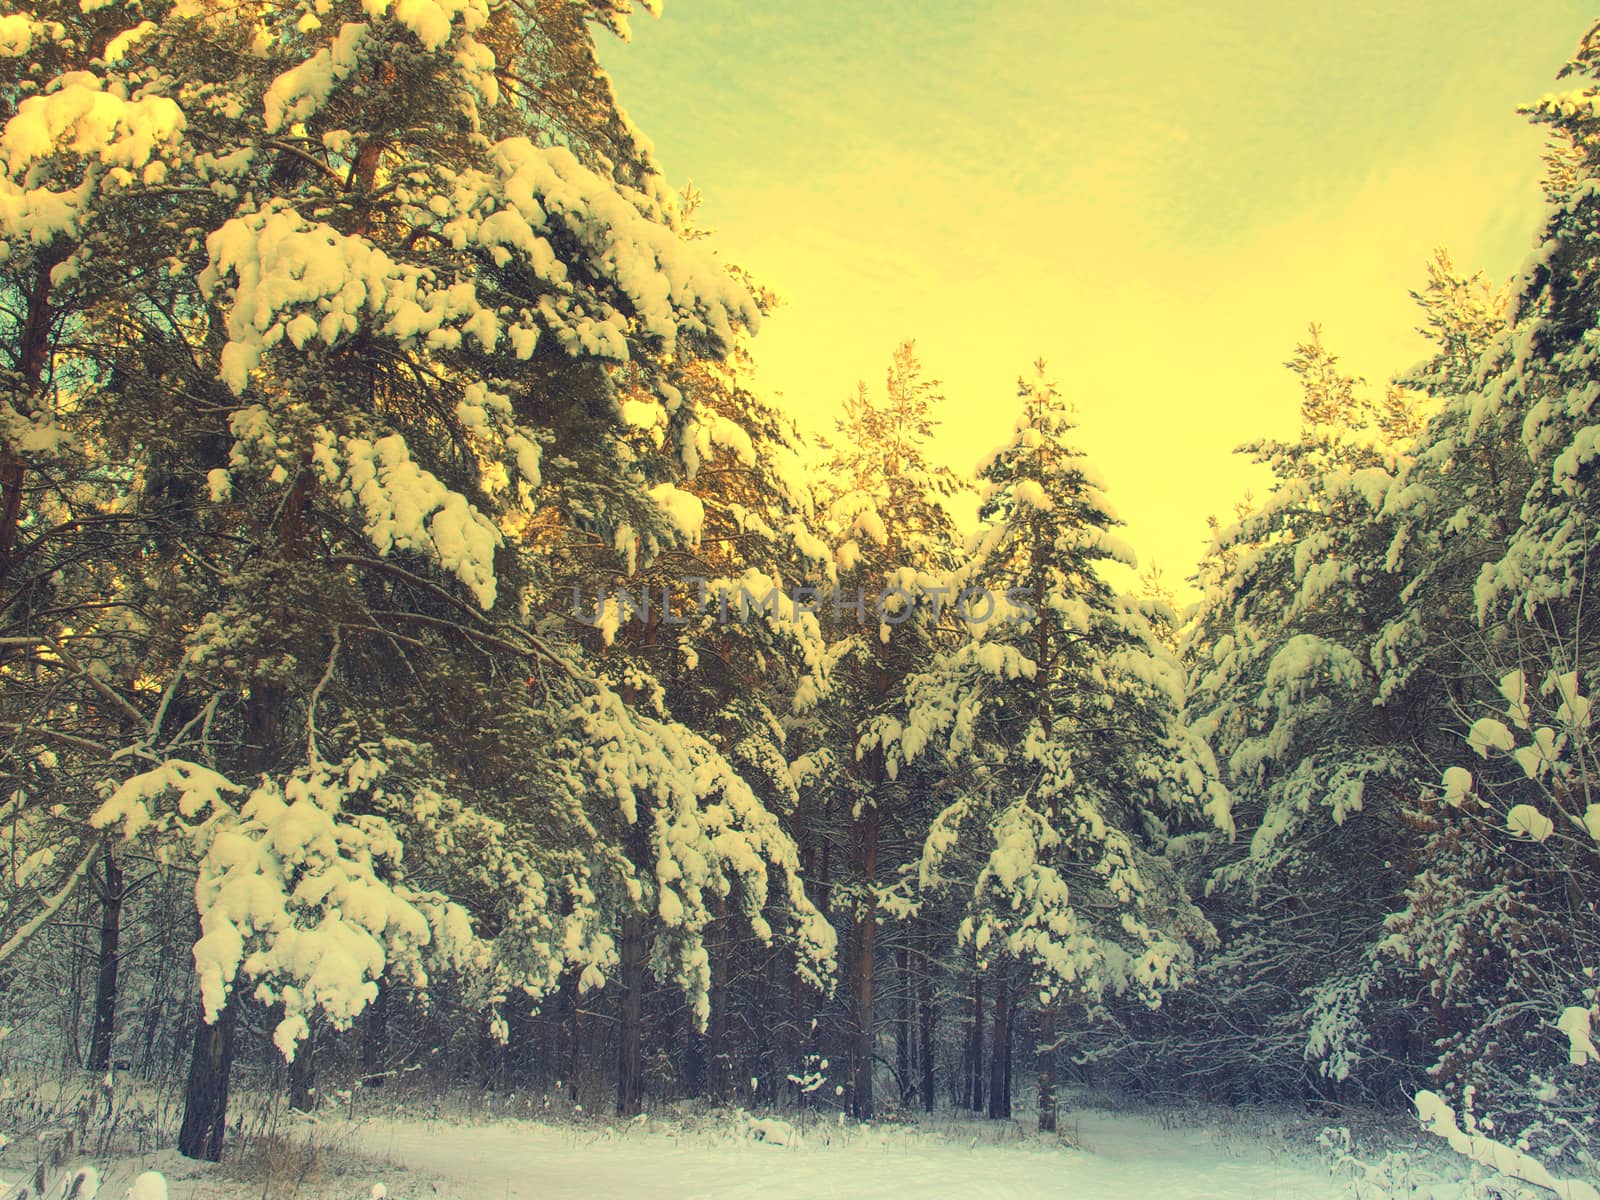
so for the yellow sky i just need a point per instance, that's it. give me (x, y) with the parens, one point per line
(1156, 203)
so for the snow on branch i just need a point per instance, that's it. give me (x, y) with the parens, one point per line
(1439, 1119)
(297, 893)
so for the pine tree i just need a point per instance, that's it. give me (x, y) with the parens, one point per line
(1289, 650)
(1538, 367)
(881, 508)
(399, 291)
(1058, 714)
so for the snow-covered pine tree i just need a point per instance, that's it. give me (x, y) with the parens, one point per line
(707, 634)
(1455, 505)
(1540, 368)
(750, 660)
(1495, 926)
(81, 327)
(1058, 717)
(400, 282)
(882, 511)
(1286, 652)
(1398, 585)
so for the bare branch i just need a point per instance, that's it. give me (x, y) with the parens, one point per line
(52, 905)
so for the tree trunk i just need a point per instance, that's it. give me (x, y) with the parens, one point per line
(792, 1053)
(375, 1039)
(1006, 1055)
(902, 1025)
(33, 356)
(925, 1017)
(261, 713)
(303, 1074)
(524, 1046)
(825, 880)
(975, 1047)
(205, 1103)
(630, 1071)
(719, 1060)
(105, 987)
(1045, 1058)
(12, 478)
(573, 1025)
(862, 976)
(205, 1110)
(770, 1073)
(999, 1054)
(696, 1078)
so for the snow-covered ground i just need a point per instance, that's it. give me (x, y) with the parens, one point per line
(1190, 1154)
(1117, 1156)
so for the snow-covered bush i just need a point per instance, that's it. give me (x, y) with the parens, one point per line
(1501, 922)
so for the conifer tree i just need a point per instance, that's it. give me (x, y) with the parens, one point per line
(882, 509)
(1059, 714)
(399, 287)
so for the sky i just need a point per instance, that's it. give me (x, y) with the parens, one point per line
(1157, 199)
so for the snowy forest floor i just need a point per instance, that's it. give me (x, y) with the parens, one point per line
(416, 1153)
(1115, 1156)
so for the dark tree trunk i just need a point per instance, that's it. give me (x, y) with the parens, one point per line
(862, 1034)
(573, 1025)
(975, 1047)
(1000, 1054)
(261, 713)
(863, 968)
(770, 1073)
(205, 1103)
(719, 1059)
(110, 888)
(696, 1059)
(520, 1050)
(1011, 1027)
(791, 1033)
(205, 1110)
(12, 478)
(902, 1025)
(1045, 1058)
(303, 1074)
(32, 358)
(925, 1018)
(491, 1055)
(630, 1070)
(375, 1039)
(825, 881)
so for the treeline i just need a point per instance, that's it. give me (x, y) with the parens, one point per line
(363, 376)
